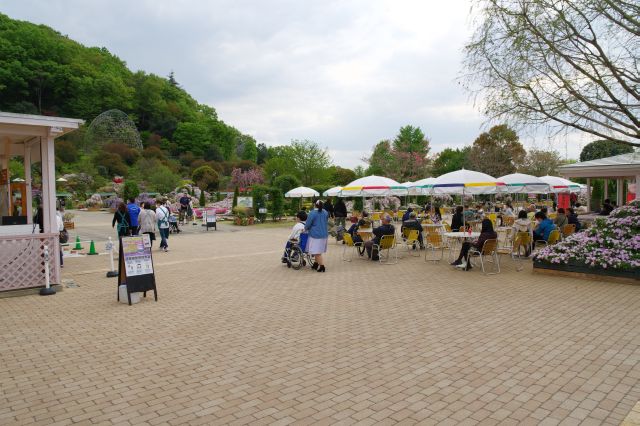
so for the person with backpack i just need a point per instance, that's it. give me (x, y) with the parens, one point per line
(162, 216)
(122, 218)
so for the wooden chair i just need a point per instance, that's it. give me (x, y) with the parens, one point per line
(388, 243)
(435, 241)
(489, 250)
(350, 244)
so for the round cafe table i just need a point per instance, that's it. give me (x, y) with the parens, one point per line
(430, 226)
(462, 235)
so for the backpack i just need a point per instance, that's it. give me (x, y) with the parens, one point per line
(165, 219)
(340, 233)
(123, 224)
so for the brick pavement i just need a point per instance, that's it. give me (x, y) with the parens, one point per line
(236, 338)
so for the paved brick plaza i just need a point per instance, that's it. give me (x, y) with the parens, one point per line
(236, 338)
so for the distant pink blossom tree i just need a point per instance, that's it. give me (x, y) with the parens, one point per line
(246, 179)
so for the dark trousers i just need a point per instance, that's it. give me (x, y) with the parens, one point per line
(464, 251)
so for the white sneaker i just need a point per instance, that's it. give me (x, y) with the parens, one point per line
(166, 249)
(463, 265)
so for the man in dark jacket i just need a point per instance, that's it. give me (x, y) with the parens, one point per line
(340, 213)
(414, 223)
(385, 229)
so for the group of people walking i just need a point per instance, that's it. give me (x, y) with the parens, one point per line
(134, 219)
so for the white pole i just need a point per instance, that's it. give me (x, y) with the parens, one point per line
(47, 290)
(112, 272)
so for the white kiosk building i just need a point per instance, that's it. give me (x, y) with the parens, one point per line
(22, 244)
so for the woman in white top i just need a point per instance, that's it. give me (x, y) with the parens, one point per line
(162, 216)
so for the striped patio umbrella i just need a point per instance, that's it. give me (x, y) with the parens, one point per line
(467, 182)
(558, 184)
(422, 186)
(332, 192)
(373, 186)
(517, 183)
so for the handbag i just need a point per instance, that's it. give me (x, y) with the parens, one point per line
(64, 236)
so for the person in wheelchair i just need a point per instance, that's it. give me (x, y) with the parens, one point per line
(294, 237)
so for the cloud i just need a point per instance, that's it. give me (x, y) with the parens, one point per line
(344, 74)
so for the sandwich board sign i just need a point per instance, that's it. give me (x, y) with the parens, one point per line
(135, 266)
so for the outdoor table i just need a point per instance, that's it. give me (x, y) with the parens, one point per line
(462, 235)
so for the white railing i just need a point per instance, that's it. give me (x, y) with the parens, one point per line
(22, 260)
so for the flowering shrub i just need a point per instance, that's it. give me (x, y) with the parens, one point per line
(613, 242)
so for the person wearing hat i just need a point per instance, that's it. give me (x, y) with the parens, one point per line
(317, 228)
(385, 229)
(414, 223)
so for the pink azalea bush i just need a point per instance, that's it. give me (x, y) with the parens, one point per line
(613, 242)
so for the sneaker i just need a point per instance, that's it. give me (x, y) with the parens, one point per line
(166, 249)
(455, 263)
(462, 265)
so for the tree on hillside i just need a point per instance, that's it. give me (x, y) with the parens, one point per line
(450, 160)
(286, 183)
(341, 176)
(311, 162)
(194, 137)
(603, 149)
(382, 160)
(206, 178)
(497, 152)
(572, 63)
(246, 148)
(406, 158)
(263, 153)
(411, 150)
(539, 162)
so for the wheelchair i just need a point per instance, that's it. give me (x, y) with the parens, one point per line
(296, 255)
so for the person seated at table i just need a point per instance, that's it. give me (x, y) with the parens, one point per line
(414, 223)
(607, 208)
(531, 211)
(523, 224)
(572, 219)
(385, 229)
(468, 213)
(364, 222)
(507, 210)
(561, 219)
(543, 228)
(437, 216)
(406, 214)
(297, 229)
(486, 233)
(457, 220)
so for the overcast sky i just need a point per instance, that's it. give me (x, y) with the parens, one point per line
(345, 74)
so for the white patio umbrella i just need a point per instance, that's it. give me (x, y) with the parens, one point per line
(463, 182)
(332, 192)
(302, 192)
(517, 183)
(373, 186)
(422, 186)
(558, 184)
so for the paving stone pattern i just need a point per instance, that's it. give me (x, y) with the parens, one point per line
(237, 338)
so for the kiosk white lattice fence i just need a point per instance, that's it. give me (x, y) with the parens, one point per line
(22, 262)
